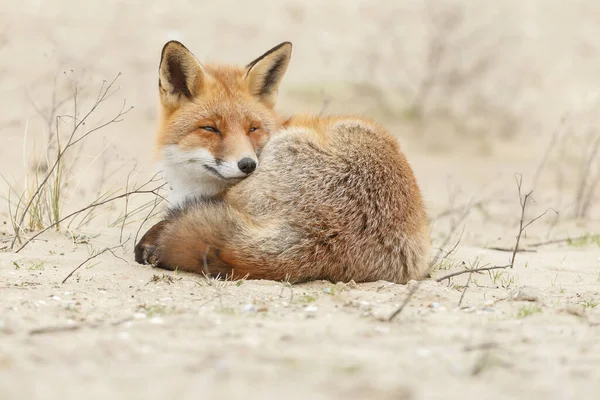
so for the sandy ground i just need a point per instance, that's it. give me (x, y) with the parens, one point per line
(492, 108)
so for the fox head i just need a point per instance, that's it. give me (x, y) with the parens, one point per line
(216, 118)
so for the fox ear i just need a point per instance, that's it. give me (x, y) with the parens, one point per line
(180, 74)
(265, 73)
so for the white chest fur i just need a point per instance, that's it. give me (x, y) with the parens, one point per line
(187, 176)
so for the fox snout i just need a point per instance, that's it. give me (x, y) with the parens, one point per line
(237, 168)
(247, 165)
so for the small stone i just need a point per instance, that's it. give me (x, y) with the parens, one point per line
(524, 293)
(435, 304)
(575, 310)
(156, 320)
(249, 308)
(311, 309)
(352, 284)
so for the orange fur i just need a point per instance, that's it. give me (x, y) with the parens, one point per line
(336, 200)
(333, 198)
(213, 117)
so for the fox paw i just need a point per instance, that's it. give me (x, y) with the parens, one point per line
(146, 253)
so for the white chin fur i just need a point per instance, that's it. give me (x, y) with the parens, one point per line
(196, 173)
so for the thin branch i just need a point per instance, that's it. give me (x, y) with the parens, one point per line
(522, 226)
(108, 249)
(407, 299)
(471, 271)
(452, 211)
(101, 97)
(93, 205)
(126, 203)
(453, 249)
(510, 249)
(157, 201)
(462, 296)
(453, 229)
(563, 240)
(523, 201)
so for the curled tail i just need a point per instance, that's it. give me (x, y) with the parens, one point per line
(213, 238)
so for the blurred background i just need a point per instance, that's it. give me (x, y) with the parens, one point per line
(473, 90)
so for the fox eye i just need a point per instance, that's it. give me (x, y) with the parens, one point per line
(253, 129)
(210, 129)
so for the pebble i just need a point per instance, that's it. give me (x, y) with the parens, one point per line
(524, 294)
(576, 310)
(249, 308)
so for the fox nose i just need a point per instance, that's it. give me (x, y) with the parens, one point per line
(247, 165)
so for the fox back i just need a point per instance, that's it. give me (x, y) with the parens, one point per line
(215, 119)
(333, 198)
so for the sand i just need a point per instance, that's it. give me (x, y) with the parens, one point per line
(492, 108)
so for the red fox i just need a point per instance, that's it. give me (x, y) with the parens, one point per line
(333, 198)
(215, 119)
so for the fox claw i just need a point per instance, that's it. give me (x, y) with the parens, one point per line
(152, 255)
(146, 251)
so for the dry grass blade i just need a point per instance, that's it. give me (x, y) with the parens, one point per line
(407, 299)
(157, 201)
(54, 169)
(126, 204)
(559, 241)
(139, 190)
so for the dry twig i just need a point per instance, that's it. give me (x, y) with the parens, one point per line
(522, 227)
(104, 93)
(139, 190)
(462, 296)
(109, 249)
